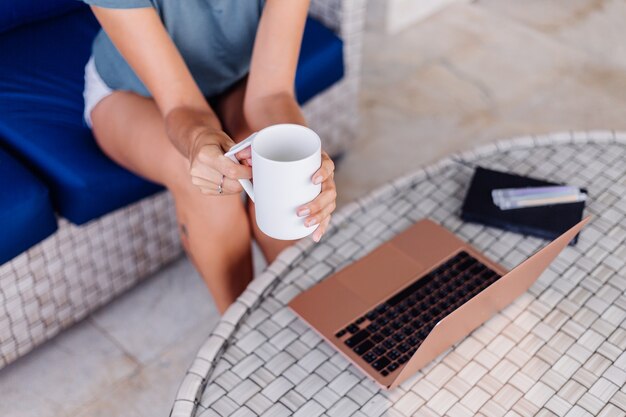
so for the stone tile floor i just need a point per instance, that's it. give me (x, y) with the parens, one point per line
(475, 72)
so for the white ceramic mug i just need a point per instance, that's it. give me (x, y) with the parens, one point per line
(284, 159)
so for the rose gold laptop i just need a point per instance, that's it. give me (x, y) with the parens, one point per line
(399, 307)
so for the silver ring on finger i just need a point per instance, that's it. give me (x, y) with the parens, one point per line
(220, 189)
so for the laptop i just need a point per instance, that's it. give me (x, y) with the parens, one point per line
(399, 307)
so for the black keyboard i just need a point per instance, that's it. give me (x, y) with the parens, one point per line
(388, 335)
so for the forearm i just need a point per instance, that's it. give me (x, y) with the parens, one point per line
(185, 124)
(271, 110)
(162, 70)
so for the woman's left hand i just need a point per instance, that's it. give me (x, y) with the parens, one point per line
(319, 210)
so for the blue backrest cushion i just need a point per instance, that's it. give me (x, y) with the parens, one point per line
(320, 64)
(26, 215)
(14, 13)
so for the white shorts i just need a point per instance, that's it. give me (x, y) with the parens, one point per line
(95, 90)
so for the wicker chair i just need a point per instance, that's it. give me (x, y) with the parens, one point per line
(80, 268)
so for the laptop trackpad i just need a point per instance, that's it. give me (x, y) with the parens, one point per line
(380, 274)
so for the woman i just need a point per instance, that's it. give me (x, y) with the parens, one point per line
(172, 85)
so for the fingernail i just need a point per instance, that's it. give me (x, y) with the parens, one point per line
(317, 180)
(316, 238)
(310, 222)
(304, 212)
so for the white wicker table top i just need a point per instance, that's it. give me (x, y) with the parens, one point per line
(559, 349)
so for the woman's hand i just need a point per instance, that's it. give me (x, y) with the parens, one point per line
(319, 210)
(210, 170)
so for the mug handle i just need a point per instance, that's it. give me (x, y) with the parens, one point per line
(246, 184)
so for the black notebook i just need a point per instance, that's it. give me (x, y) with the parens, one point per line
(547, 222)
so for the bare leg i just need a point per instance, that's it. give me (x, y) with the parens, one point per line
(214, 230)
(230, 110)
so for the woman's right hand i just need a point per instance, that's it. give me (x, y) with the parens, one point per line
(209, 168)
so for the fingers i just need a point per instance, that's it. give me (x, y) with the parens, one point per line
(211, 168)
(205, 172)
(232, 169)
(321, 229)
(319, 210)
(211, 171)
(325, 199)
(319, 217)
(212, 158)
(322, 206)
(229, 186)
(326, 170)
(209, 179)
(245, 153)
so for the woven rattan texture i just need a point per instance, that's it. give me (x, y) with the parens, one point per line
(559, 349)
(76, 270)
(334, 114)
(62, 279)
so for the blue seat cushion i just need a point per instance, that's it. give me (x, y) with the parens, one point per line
(321, 61)
(18, 12)
(41, 107)
(26, 215)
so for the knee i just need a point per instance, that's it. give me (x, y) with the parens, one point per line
(218, 222)
(218, 213)
(215, 213)
(177, 176)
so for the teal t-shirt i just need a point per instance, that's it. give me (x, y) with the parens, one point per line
(215, 38)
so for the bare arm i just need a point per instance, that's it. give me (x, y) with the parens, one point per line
(270, 96)
(191, 124)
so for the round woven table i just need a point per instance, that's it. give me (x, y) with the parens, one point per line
(559, 349)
